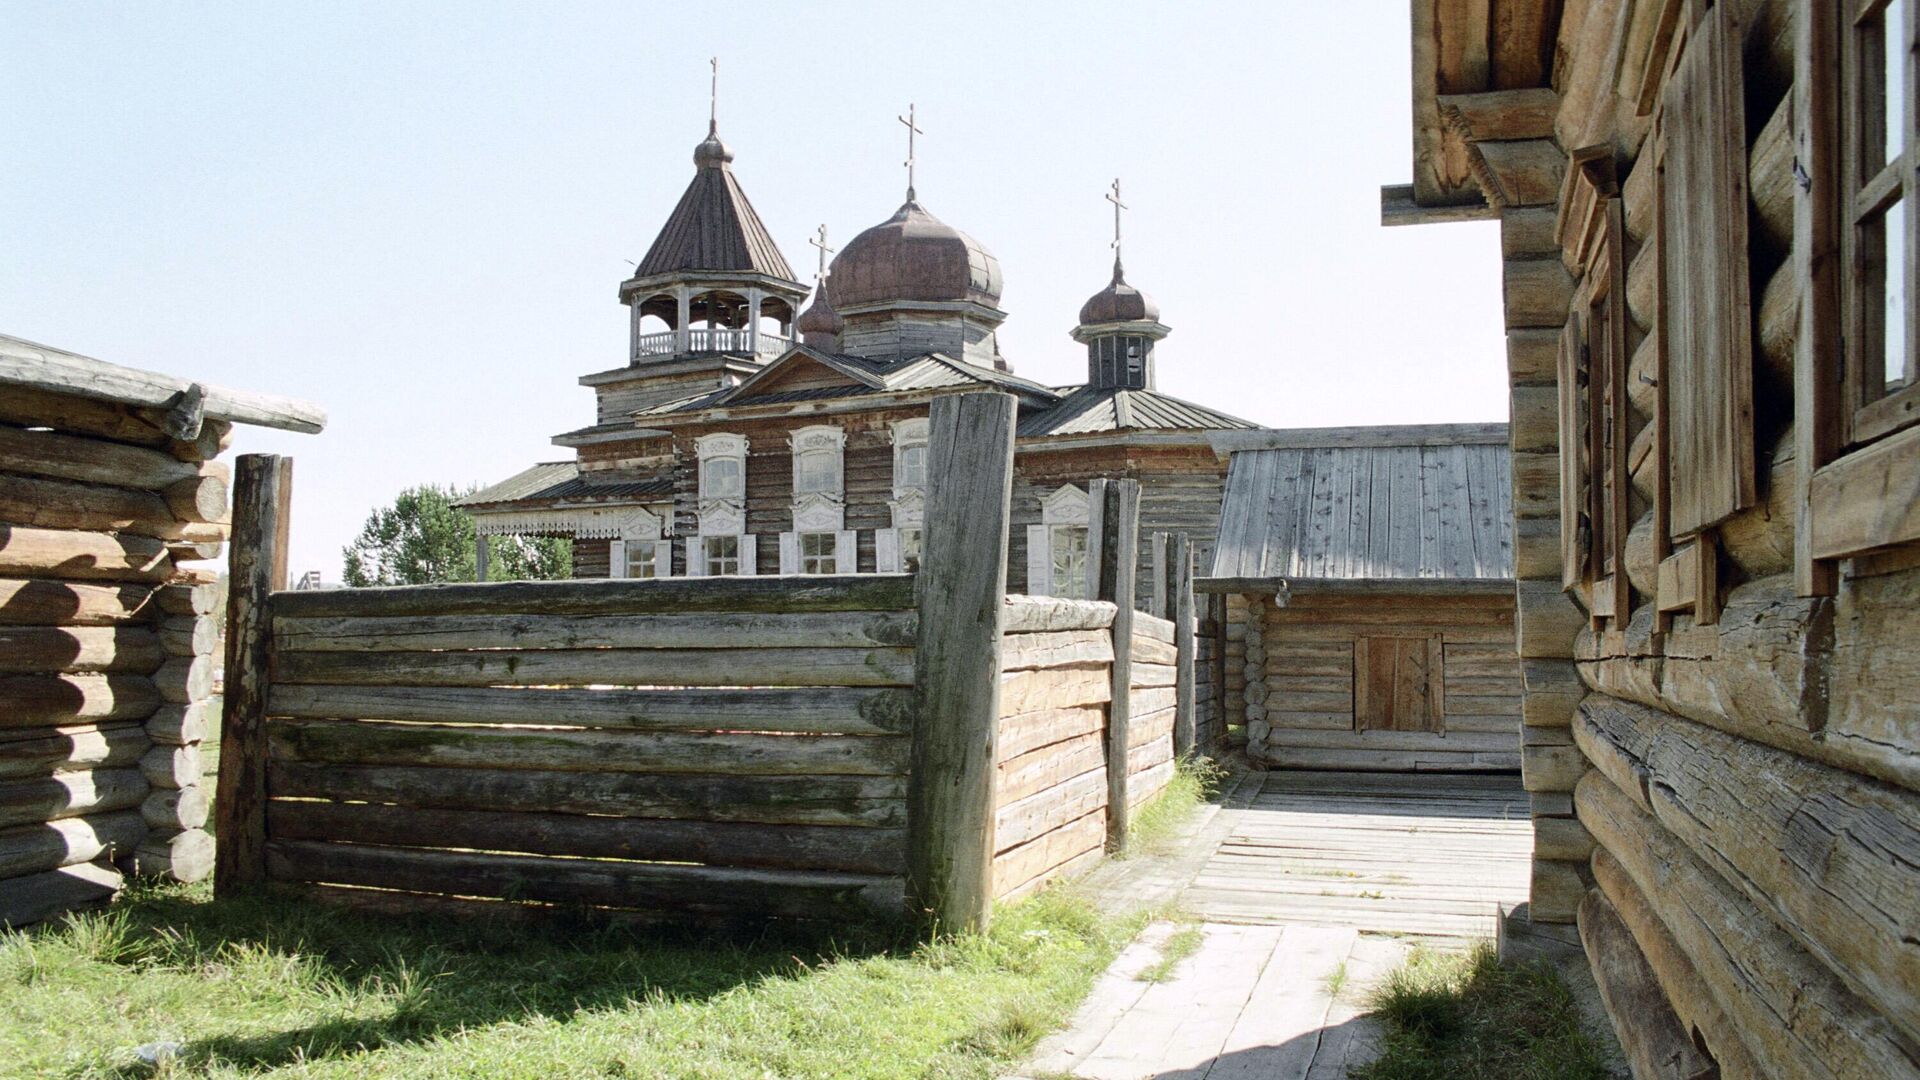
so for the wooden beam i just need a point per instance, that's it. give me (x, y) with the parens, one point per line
(1815, 265)
(957, 672)
(1114, 538)
(41, 367)
(257, 567)
(1357, 586)
(1397, 207)
(1372, 435)
(1180, 585)
(845, 592)
(1866, 500)
(1501, 114)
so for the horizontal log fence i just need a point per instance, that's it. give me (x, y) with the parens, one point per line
(754, 746)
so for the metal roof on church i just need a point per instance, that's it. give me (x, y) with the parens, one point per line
(1085, 410)
(561, 480)
(1435, 505)
(932, 371)
(714, 227)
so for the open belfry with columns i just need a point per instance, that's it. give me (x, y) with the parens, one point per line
(757, 426)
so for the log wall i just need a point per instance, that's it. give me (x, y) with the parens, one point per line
(699, 748)
(1297, 678)
(1726, 768)
(107, 647)
(1153, 705)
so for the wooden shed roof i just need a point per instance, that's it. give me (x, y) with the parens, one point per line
(1427, 507)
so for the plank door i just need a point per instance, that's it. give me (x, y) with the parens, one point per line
(1397, 684)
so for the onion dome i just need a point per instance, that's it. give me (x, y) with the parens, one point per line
(712, 153)
(1119, 302)
(915, 257)
(820, 320)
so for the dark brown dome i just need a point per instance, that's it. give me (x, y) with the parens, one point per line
(1118, 302)
(819, 318)
(712, 153)
(915, 256)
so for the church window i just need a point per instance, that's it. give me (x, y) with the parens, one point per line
(1068, 554)
(910, 540)
(913, 466)
(723, 466)
(643, 558)
(909, 455)
(722, 555)
(819, 553)
(816, 460)
(1136, 362)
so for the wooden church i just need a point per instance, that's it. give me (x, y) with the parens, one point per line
(745, 435)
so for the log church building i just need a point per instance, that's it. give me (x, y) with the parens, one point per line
(752, 431)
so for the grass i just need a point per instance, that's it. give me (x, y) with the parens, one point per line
(276, 987)
(1336, 981)
(1157, 823)
(1460, 1016)
(1179, 945)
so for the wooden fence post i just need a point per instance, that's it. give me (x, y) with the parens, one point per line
(1179, 590)
(257, 567)
(962, 588)
(1113, 519)
(1159, 551)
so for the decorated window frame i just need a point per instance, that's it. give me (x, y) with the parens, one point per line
(897, 547)
(1053, 541)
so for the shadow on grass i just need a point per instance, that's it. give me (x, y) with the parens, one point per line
(415, 978)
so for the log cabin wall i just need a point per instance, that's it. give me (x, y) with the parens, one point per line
(109, 639)
(1397, 682)
(1716, 548)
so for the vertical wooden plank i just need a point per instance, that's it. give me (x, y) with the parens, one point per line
(1662, 407)
(957, 662)
(1819, 423)
(1619, 412)
(1180, 585)
(1573, 549)
(1118, 510)
(1362, 684)
(1436, 684)
(1158, 602)
(257, 567)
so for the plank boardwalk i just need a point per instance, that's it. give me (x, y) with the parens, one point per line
(1308, 888)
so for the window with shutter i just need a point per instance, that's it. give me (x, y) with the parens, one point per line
(1706, 301)
(1397, 684)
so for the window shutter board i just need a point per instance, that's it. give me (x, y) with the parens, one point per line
(1573, 549)
(749, 554)
(886, 551)
(1707, 307)
(789, 553)
(617, 559)
(663, 558)
(1039, 562)
(696, 558)
(846, 551)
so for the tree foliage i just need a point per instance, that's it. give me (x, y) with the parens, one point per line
(423, 538)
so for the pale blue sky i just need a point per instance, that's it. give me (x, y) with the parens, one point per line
(418, 215)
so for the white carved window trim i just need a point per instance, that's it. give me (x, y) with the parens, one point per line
(718, 447)
(697, 561)
(818, 443)
(1064, 507)
(639, 527)
(909, 435)
(846, 551)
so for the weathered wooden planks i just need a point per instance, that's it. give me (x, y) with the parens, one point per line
(619, 667)
(825, 710)
(1033, 614)
(258, 566)
(717, 843)
(775, 800)
(863, 592)
(359, 742)
(588, 881)
(83, 555)
(711, 630)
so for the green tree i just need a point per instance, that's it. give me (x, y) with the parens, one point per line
(423, 537)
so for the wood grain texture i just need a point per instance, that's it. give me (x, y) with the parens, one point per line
(716, 630)
(825, 710)
(257, 567)
(602, 667)
(863, 592)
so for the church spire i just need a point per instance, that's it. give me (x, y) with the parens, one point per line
(1119, 324)
(912, 130)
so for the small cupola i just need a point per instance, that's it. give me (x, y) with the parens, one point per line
(1119, 325)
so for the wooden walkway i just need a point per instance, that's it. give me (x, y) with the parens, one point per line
(1423, 853)
(1310, 887)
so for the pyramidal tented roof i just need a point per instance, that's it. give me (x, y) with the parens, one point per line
(714, 227)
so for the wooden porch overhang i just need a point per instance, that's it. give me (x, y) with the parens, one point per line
(1284, 588)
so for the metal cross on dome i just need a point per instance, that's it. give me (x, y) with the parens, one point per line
(713, 95)
(821, 242)
(1114, 198)
(912, 130)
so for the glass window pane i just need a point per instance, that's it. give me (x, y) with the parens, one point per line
(913, 466)
(1069, 559)
(1894, 335)
(640, 558)
(720, 478)
(817, 472)
(1893, 37)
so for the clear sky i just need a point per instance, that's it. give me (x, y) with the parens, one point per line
(418, 215)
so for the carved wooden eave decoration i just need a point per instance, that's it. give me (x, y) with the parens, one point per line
(1581, 227)
(1482, 78)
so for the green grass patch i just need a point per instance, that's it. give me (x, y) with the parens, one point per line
(1452, 1016)
(1179, 945)
(271, 986)
(1156, 824)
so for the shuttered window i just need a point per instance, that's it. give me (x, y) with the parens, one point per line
(1397, 684)
(1706, 301)
(1882, 361)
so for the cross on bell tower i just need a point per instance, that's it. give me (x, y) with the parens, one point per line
(1113, 197)
(912, 130)
(820, 241)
